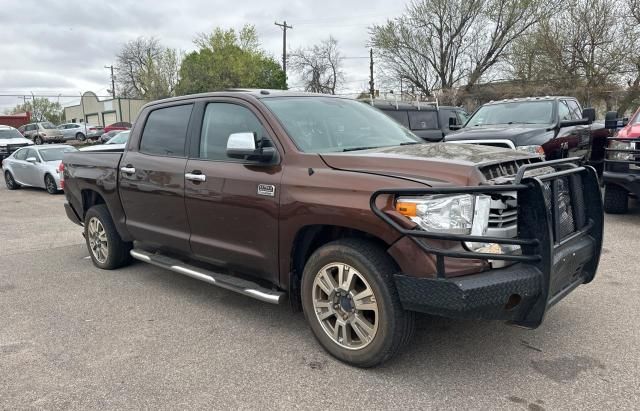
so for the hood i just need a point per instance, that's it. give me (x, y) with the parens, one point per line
(16, 140)
(519, 134)
(434, 164)
(630, 131)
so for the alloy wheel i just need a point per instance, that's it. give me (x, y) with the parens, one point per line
(98, 243)
(8, 179)
(345, 306)
(50, 183)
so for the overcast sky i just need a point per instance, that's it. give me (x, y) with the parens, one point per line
(61, 47)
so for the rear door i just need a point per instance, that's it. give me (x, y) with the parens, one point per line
(233, 213)
(151, 178)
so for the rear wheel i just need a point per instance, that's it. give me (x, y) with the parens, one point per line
(351, 303)
(616, 199)
(10, 181)
(50, 184)
(106, 248)
(80, 137)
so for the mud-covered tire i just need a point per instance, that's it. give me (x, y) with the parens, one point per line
(115, 253)
(616, 199)
(394, 327)
(10, 181)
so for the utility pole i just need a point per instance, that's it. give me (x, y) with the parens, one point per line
(371, 84)
(284, 27)
(113, 82)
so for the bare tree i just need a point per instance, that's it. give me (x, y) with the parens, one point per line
(631, 62)
(319, 66)
(441, 44)
(146, 69)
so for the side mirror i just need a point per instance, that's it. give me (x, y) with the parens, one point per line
(32, 160)
(452, 124)
(613, 122)
(243, 146)
(589, 113)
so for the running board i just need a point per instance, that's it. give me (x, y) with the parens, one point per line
(238, 285)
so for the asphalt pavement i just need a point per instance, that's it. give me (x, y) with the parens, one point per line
(75, 337)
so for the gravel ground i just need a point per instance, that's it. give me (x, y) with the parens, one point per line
(75, 337)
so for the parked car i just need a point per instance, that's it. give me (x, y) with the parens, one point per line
(80, 131)
(11, 140)
(122, 125)
(428, 121)
(554, 127)
(115, 144)
(107, 136)
(35, 166)
(273, 195)
(622, 164)
(43, 132)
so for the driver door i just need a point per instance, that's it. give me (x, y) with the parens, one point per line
(232, 205)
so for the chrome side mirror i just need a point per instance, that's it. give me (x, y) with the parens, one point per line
(243, 146)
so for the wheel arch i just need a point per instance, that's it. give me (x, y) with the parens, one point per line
(308, 239)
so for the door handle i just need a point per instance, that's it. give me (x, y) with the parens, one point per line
(128, 170)
(195, 177)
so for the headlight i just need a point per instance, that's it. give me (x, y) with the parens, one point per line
(532, 149)
(620, 145)
(439, 213)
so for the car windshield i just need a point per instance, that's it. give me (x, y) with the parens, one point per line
(120, 138)
(54, 153)
(47, 126)
(10, 133)
(327, 124)
(524, 112)
(636, 119)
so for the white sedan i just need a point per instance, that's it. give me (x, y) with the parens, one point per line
(35, 166)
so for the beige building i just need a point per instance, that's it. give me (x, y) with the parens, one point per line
(103, 112)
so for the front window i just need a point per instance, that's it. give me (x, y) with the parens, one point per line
(520, 112)
(328, 124)
(47, 126)
(10, 133)
(55, 154)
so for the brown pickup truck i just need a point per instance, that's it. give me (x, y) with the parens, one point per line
(327, 203)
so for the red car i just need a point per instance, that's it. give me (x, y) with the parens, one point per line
(622, 165)
(123, 125)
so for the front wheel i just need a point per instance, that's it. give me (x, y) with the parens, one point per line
(81, 137)
(616, 199)
(351, 303)
(10, 181)
(106, 248)
(38, 140)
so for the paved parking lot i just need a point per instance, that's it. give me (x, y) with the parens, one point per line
(72, 336)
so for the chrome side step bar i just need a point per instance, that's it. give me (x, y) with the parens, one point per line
(238, 285)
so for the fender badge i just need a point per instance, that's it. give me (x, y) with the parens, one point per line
(266, 190)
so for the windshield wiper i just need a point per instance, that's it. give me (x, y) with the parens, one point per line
(409, 143)
(358, 148)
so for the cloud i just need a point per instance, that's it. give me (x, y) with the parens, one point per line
(60, 47)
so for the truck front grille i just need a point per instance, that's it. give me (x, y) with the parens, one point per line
(13, 147)
(505, 169)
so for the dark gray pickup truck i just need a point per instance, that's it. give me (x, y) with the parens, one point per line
(273, 195)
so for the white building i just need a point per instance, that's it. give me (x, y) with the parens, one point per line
(103, 112)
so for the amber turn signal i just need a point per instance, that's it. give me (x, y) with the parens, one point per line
(406, 209)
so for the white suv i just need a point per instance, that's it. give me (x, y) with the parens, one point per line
(10, 141)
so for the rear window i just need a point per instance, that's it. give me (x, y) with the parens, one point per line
(54, 154)
(423, 120)
(165, 131)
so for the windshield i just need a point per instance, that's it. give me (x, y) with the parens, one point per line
(54, 154)
(525, 112)
(120, 138)
(327, 124)
(47, 126)
(10, 133)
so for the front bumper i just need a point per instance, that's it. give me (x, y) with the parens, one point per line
(554, 260)
(630, 182)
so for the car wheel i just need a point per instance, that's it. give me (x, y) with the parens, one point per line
(106, 248)
(38, 140)
(50, 184)
(350, 301)
(80, 137)
(616, 199)
(10, 182)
